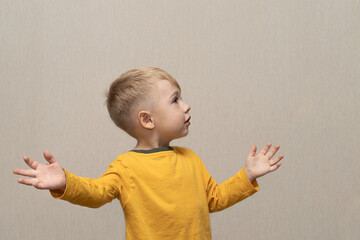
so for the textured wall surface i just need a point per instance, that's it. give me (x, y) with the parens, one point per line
(253, 72)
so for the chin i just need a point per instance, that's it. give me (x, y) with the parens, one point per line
(185, 134)
(181, 136)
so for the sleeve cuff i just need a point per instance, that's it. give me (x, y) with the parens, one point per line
(254, 186)
(58, 195)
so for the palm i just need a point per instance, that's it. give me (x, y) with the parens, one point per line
(43, 176)
(261, 164)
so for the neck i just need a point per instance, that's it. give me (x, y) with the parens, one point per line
(147, 145)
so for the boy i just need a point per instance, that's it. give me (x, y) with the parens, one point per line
(165, 192)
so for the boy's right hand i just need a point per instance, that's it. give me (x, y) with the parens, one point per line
(43, 176)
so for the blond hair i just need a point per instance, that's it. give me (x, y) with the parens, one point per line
(129, 90)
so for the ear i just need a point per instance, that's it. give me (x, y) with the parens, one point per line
(146, 120)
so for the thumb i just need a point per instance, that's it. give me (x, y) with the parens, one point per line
(49, 157)
(252, 151)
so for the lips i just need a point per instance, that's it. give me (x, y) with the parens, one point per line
(188, 120)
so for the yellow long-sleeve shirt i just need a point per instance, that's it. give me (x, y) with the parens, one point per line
(165, 193)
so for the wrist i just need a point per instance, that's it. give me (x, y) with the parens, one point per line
(60, 188)
(249, 175)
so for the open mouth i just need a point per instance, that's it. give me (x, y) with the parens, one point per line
(188, 120)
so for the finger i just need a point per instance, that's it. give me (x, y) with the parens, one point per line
(276, 160)
(49, 157)
(274, 167)
(25, 172)
(265, 149)
(272, 152)
(252, 151)
(26, 181)
(31, 163)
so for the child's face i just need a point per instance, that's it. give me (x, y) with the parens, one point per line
(171, 113)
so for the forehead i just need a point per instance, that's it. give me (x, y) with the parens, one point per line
(165, 89)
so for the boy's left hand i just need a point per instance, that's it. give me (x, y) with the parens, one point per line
(259, 165)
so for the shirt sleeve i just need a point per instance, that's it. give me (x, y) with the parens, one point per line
(229, 192)
(93, 193)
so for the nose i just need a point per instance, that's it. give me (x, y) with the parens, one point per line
(187, 108)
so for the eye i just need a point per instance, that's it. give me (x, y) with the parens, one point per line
(175, 100)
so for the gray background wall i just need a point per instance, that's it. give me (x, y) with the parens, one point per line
(253, 71)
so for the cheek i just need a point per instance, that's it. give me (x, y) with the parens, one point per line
(173, 120)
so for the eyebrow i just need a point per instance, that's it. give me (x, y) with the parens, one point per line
(174, 94)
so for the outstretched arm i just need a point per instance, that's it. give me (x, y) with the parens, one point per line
(244, 183)
(261, 164)
(43, 176)
(78, 190)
